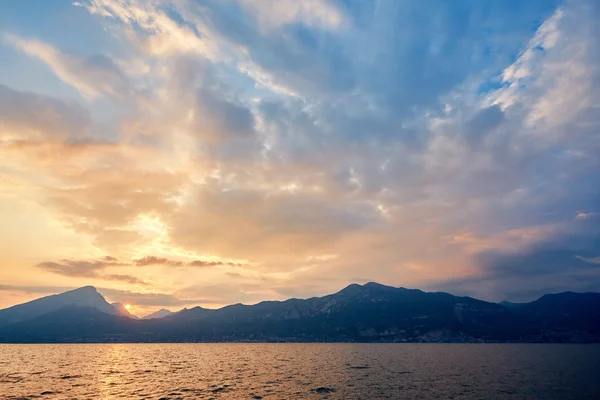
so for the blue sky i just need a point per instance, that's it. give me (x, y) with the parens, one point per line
(212, 152)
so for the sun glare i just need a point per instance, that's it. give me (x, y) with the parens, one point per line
(128, 306)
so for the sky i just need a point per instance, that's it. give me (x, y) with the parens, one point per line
(203, 152)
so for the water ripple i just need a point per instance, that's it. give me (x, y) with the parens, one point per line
(299, 371)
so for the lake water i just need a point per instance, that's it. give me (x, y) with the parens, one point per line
(299, 371)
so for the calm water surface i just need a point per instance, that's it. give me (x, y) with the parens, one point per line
(299, 371)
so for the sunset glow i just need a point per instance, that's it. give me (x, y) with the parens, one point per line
(177, 153)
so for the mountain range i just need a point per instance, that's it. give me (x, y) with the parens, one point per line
(163, 312)
(359, 313)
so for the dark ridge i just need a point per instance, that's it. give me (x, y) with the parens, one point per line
(84, 296)
(358, 313)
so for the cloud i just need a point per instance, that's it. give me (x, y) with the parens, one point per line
(422, 143)
(35, 289)
(28, 116)
(97, 268)
(565, 259)
(591, 260)
(152, 27)
(124, 278)
(224, 116)
(152, 260)
(88, 269)
(199, 263)
(74, 268)
(107, 268)
(309, 12)
(103, 202)
(265, 223)
(92, 76)
(483, 123)
(556, 73)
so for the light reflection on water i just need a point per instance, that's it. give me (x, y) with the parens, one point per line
(299, 371)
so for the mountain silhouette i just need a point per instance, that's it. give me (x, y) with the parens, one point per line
(564, 311)
(163, 312)
(122, 311)
(86, 296)
(358, 313)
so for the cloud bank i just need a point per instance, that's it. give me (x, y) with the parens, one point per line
(313, 144)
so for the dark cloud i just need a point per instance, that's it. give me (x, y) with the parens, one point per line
(152, 260)
(199, 263)
(559, 263)
(563, 251)
(123, 278)
(88, 269)
(96, 269)
(75, 268)
(483, 123)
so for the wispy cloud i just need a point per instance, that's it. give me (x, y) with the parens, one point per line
(88, 269)
(97, 269)
(319, 13)
(92, 76)
(152, 260)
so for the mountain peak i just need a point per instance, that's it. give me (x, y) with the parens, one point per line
(86, 289)
(86, 296)
(355, 290)
(375, 285)
(352, 286)
(163, 312)
(566, 295)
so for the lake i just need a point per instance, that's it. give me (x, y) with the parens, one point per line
(300, 371)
